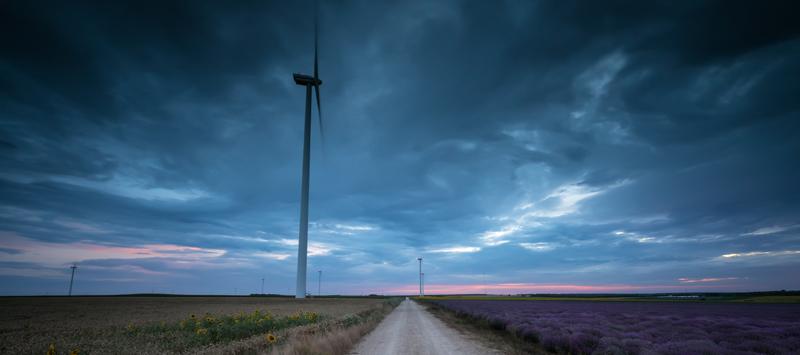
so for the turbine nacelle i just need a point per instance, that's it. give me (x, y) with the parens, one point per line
(306, 80)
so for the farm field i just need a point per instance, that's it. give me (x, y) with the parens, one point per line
(586, 327)
(142, 325)
(791, 298)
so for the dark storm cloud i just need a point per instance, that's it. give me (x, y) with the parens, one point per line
(565, 140)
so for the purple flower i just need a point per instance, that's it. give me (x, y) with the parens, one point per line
(643, 327)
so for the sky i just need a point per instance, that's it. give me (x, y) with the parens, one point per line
(516, 146)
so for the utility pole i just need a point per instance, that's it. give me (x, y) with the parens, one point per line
(319, 284)
(423, 284)
(262, 286)
(420, 277)
(71, 278)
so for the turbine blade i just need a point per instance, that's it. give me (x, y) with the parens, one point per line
(319, 115)
(316, 35)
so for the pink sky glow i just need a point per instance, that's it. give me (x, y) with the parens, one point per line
(514, 288)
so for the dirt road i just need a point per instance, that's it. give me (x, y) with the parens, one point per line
(410, 329)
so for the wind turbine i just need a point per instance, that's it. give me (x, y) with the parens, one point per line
(71, 278)
(420, 277)
(309, 82)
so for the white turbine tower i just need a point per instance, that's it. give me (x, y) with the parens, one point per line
(302, 245)
(421, 290)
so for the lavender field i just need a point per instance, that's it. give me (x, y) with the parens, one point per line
(578, 327)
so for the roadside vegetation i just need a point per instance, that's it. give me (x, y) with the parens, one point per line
(196, 331)
(336, 337)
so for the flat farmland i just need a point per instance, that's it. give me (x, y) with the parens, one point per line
(609, 327)
(104, 325)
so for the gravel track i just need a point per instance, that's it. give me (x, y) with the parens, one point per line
(410, 329)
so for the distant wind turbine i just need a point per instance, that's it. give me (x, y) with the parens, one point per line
(71, 278)
(420, 277)
(308, 82)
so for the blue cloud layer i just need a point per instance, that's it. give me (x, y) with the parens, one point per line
(650, 146)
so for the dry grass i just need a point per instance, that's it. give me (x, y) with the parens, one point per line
(339, 339)
(97, 325)
(335, 342)
(331, 337)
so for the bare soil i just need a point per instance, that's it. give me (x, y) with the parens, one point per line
(96, 325)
